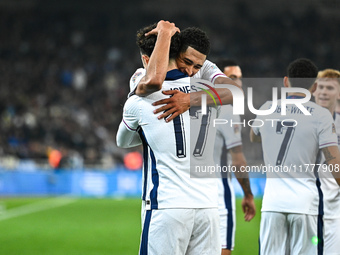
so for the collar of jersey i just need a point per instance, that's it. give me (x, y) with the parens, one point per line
(175, 74)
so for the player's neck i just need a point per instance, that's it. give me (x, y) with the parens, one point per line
(332, 110)
(297, 94)
(337, 108)
(172, 65)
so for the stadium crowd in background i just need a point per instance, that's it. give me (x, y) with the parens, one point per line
(68, 70)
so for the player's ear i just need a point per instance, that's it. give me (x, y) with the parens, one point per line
(145, 60)
(313, 88)
(286, 83)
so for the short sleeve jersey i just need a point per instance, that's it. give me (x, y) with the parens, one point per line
(228, 135)
(291, 142)
(330, 188)
(168, 151)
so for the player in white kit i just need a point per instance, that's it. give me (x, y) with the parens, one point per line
(291, 221)
(191, 61)
(326, 95)
(181, 214)
(228, 152)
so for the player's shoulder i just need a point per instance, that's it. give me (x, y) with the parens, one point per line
(267, 105)
(135, 78)
(208, 63)
(209, 71)
(210, 66)
(337, 117)
(319, 111)
(137, 73)
(131, 103)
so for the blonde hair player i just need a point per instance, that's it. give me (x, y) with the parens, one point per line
(327, 95)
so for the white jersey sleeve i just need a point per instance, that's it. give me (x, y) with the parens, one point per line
(329, 186)
(231, 131)
(127, 135)
(326, 130)
(228, 135)
(209, 72)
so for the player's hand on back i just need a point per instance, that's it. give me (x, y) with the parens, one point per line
(178, 103)
(164, 26)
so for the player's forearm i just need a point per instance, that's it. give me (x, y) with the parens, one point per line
(222, 93)
(245, 185)
(225, 94)
(157, 66)
(243, 180)
(240, 162)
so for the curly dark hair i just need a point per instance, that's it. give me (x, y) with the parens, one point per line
(196, 38)
(302, 73)
(146, 44)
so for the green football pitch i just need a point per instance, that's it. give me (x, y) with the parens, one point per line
(88, 226)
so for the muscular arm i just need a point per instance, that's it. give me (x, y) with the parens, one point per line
(238, 160)
(332, 156)
(159, 59)
(180, 102)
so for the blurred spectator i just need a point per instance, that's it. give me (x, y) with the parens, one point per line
(64, 75)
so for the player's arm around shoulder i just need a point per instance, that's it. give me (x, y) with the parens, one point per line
(157, 64)
(127, 135)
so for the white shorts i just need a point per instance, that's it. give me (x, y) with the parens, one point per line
(181, 231)
(227, 228)
(332, 236)
(290, 233)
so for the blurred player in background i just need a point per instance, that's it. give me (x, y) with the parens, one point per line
(327, 94)
(231, 69)
(181, 215)
(291, 220)
(228, 151)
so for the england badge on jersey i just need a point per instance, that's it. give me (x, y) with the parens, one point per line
(333, 128)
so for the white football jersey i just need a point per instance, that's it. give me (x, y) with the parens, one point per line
(169, 149)
(290, 144)
(209, 72)
(330, 188)
(228, 135)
